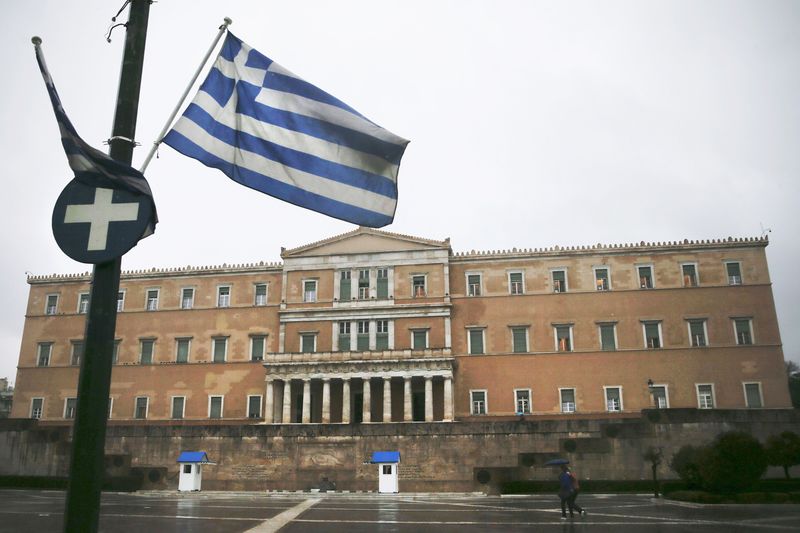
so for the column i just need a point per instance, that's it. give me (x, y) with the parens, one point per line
(287, 402)
(407, 398)
(307, 401)
(269, 403)
(448, 398)
(346, 401)
(367, 416)
(326, 400)
(428, 399)
(387, 399)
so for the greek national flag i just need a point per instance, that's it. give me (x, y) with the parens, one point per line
(91, 166)
(268, 129)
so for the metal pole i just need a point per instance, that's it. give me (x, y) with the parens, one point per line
(82, 510)
(161, 135)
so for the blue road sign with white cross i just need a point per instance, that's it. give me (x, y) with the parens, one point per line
(95, 224)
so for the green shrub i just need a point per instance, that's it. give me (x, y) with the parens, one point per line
(733, 463)
(697, 496)
(783, 450)
(686, 463)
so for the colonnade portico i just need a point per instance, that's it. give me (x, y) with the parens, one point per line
(358, 391)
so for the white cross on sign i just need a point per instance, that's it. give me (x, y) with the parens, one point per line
(99, 215)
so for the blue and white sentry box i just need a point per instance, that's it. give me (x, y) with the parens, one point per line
(191, 476)
(387, 470)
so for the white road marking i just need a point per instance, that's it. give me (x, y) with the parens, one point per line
(278, 521)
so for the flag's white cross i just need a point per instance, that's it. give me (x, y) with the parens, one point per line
(99, 215)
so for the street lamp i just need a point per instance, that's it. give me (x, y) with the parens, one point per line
(654, 454)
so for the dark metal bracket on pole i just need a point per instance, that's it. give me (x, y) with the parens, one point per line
(89, 432)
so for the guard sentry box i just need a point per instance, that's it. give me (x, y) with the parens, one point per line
(191, 470)
(387, 471)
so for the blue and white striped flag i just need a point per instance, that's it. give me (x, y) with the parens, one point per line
(270, 130)
(91, 166)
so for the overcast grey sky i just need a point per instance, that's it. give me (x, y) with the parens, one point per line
(531, 124)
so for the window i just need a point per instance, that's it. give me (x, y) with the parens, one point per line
(146, 349)
(140, 409)
(689, 271)
(257, 345)
(477, 402)
(602, 279)
(51, 307)
(344, 336)
(652, 334)
(344, 285)
(310, 290)
(362, 339)
(70, 404)
(152, 300)
(363, 284)
(83, 303)
(419, 339)
(705, 396)
(37, 408)
(608, 337)
(77, 353)
(418, 286)
(519, 339)
(743, 328)
(660, 396)
(254, 407)
(187, 469)
(382, 335)
(187, 298)
(178, 407)
(613, 399)
(219, 347)
(261, 294)
(734, 270)
(475, 339)
(110, 406)
(120, 301)
(45, 349)
(559, 278)
(215, 406)
(752, 395)
(563, 337)
(473, 284)
(522, 401)
(516, 283)
(115, 355)
(224, 296)
(383, 283)
(182, 347)
(697, 333)
(645, 277)
(308, 342)
(567, 400)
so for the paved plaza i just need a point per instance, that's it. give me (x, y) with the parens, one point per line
(36, 511)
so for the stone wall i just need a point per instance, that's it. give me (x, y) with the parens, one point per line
(434, 456)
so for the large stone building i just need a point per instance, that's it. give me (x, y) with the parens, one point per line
(375, 327)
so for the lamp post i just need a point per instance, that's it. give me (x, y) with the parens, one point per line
(654, 454)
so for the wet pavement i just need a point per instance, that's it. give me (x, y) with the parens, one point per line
(24, 511)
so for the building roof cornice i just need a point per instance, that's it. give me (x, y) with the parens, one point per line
(243, 268)
(625, 248)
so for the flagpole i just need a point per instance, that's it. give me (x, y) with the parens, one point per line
(227, 22)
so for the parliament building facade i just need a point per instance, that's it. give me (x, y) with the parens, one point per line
(374, 327)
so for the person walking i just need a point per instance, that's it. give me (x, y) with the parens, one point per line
(565, 492)
(576, 488)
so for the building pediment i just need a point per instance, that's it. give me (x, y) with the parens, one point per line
(365, 241)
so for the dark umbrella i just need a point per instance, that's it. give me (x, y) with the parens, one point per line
(556, 462)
